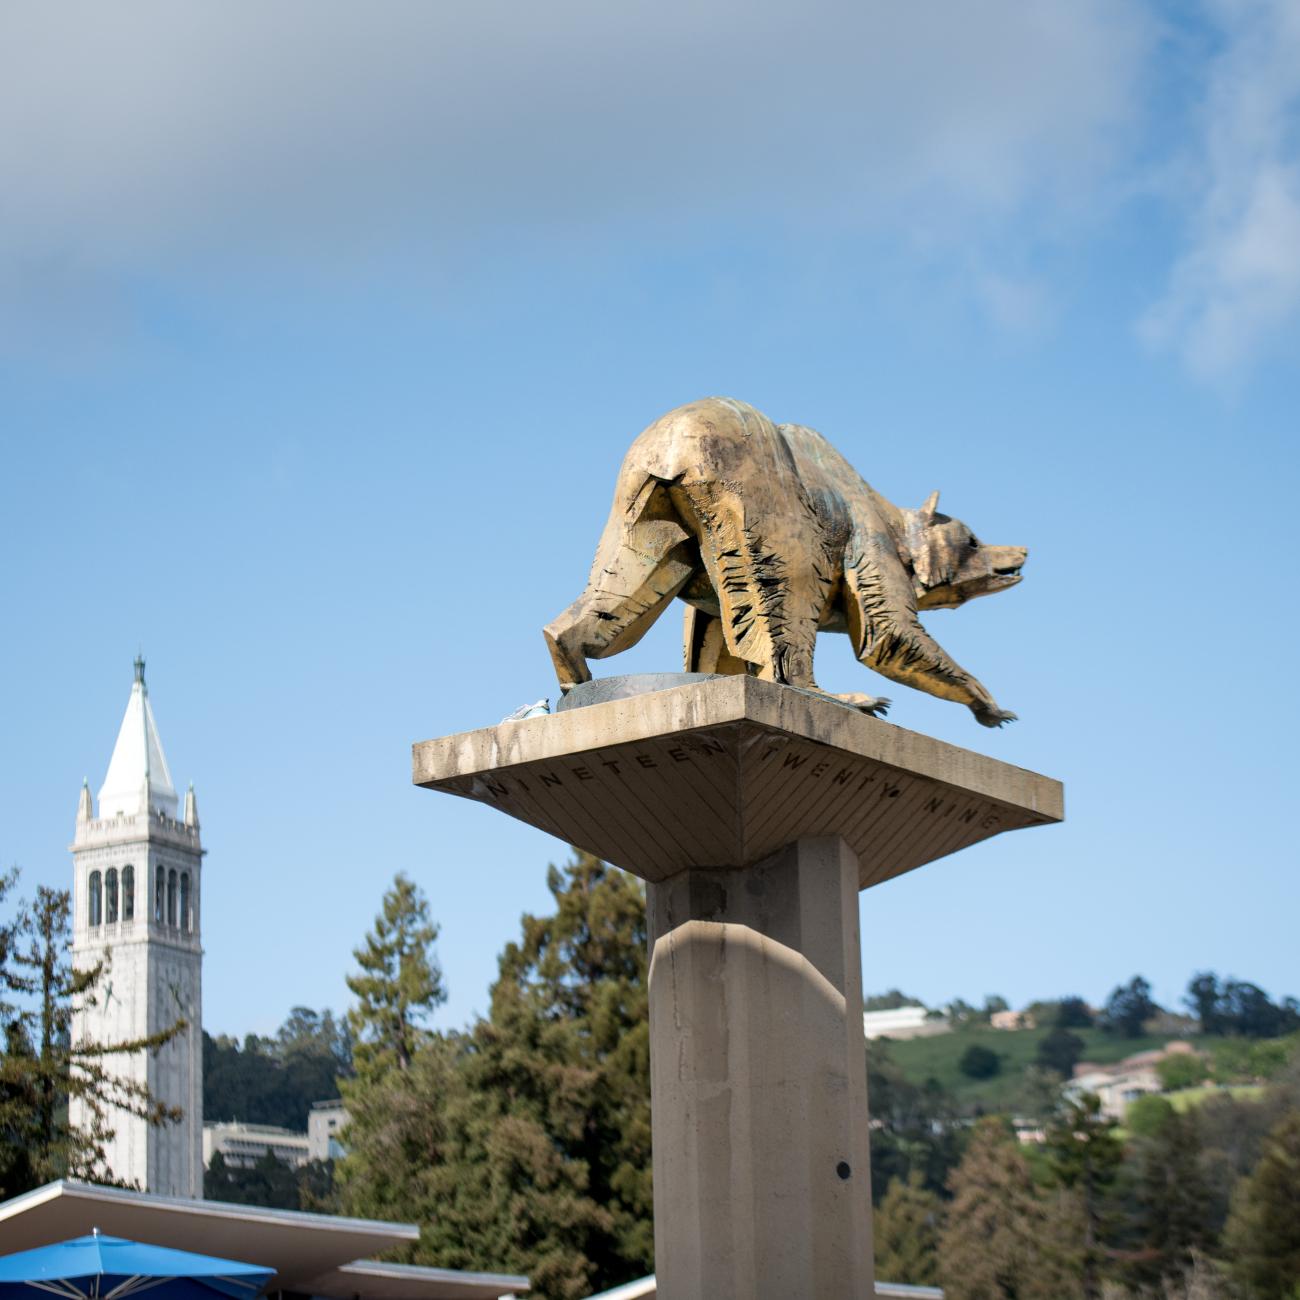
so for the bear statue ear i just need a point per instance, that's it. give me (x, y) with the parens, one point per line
(927, 510)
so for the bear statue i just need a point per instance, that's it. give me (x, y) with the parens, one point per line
(769, 536)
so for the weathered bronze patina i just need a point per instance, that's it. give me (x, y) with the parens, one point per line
(769, 535)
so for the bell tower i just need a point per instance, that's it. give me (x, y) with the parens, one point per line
(137, 872)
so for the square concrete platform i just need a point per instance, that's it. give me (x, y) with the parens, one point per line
(725, 773)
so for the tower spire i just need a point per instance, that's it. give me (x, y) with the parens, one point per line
(85, 810)
(138, 779)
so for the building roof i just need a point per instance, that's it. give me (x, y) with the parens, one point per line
(318, 1254)
(138, 764)
(644, 1289)
(379, 1281)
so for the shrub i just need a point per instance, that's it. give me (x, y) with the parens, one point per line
(979, 1062)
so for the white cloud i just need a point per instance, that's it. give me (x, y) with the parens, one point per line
(156, 130)
(1019, 304)
(1239, 280)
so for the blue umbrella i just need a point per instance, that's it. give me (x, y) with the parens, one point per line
(111, 1268)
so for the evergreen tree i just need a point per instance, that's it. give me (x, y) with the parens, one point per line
(906, 1230)
(1084, 1154)
(276, 1080)
(1128, 1008)
(42, 1068)
(524, 1144)
(559, 1077)
(1174, 1201)
(996, 1245)
(1203, 998)
(1059, 1051)
(18, 1105)
(399, 984)
(1263, 1232)
(398, 1101)
(1072, 1013)
(409, 1140)
(269, 1182)
(978, 1062)
(913, 1129)
(11, 981)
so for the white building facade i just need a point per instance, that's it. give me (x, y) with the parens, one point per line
(903, 1022)
(136, 907)
(243, 1145)
(326, 1121)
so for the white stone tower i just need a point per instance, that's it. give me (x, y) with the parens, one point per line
(136, 901)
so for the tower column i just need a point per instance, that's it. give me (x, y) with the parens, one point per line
(136, 900)
(758, 1079)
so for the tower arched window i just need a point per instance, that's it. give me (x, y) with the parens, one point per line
(110, 895)
(159, 895)
(128, 893)
(186, 921)
(96, 916)
(171, 897)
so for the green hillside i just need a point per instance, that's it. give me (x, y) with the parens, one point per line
(938, 1058)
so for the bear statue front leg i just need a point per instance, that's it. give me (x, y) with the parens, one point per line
(874, 706)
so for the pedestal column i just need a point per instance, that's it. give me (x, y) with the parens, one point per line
(758, 1080)
(755, 813)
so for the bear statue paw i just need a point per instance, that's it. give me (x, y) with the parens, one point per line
(992, 716)
(873, 706)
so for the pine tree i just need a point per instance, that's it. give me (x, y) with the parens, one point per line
(397, 1101)
(913, 1129)
(42, 1068)
(997, 1243)
(1085, 1155)
(399, 984)
(1263, 1232)
(1173, 1197)
(407, 1140)
(525, 1143)
(906, 1233)
(559, 1073)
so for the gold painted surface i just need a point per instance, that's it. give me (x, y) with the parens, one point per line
(769, 535)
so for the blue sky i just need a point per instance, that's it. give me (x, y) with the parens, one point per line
(324, 328)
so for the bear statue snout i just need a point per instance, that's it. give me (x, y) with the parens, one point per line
(1007, 561)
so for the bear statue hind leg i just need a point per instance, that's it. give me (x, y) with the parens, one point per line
(642, 563)
(705, 648)
(706, 652)
(769, 591)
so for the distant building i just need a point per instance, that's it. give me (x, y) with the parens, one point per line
(1012, 1020)
(1029, 1132)
(323, 1124)
(243, 1145)
(903, 1022)
(1119, 1085)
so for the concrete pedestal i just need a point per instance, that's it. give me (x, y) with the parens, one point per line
(758, 1080)
(755, 813)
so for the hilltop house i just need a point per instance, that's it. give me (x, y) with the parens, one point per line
(1125, 1081)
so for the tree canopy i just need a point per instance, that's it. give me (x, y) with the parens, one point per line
(524, 1143)
(398, 983)
(1128, 1008)
(1238, 1007)
(276, 1079)
(42, 1068)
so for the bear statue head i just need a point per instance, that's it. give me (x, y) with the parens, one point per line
(949, 564)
